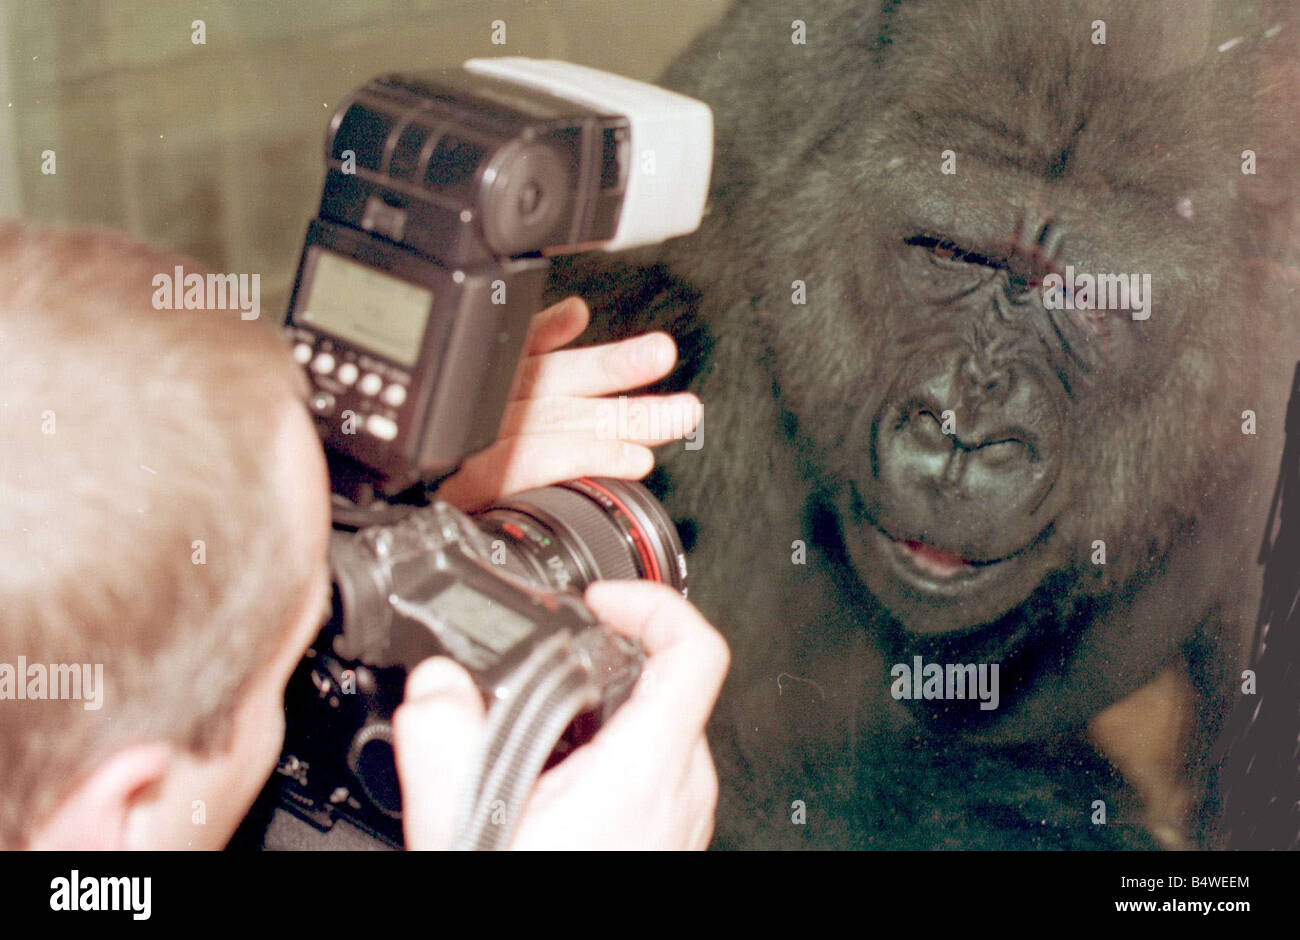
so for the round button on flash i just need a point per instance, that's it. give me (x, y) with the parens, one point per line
(371, 384)
(324, 364)
(302, 354)
(383, 428)
(394, 395)
(347, 373)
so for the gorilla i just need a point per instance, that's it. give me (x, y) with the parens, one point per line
(980, 530)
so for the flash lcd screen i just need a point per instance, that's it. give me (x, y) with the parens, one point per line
(367, 307)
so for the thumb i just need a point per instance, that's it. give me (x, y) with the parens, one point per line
(437, 732)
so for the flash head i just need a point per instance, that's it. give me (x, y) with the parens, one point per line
(665, 152)
(445, 193)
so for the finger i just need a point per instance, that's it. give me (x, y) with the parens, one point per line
(598, 370)
(557, 325)
(515, 464)
(437, 733)
(687, 661)
(650, 420)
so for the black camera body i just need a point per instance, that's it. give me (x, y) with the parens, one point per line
(444, 195)
(488, 592)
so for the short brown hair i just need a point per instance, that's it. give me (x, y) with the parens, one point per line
(130, 435)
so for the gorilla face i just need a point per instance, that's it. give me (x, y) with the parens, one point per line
(953, 526)
(976, 432)
(969, 449)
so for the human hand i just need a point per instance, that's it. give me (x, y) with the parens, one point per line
(553, 430)
(645, 781)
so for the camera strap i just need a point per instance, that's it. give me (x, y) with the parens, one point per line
(553, 688)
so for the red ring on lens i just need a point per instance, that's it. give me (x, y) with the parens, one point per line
(643, 549)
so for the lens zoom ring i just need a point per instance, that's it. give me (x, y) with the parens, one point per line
(589, 524)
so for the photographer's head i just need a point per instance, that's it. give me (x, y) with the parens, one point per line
(167, 523)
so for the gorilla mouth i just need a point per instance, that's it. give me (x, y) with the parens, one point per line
(934, 570)
(922, 566)
(934, 588)
(935, 561)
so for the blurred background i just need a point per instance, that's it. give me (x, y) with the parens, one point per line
(215, 149)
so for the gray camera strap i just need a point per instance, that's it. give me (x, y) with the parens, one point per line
(553, 688)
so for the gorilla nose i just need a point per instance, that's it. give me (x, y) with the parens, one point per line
(969, 477)
(935, 445)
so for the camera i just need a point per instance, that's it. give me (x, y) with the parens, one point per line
(445, 195)
(489, 591)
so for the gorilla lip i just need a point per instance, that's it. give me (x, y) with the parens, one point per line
(934, 561)
(924, 566)
(934, 570)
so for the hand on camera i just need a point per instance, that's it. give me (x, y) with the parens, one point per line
(557, 425)
(645, 781)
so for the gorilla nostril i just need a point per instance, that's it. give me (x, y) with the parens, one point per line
(1003, 453)
(926, 425)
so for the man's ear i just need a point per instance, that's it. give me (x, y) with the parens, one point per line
(96, 813)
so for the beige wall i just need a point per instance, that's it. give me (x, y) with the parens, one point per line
(215, 149)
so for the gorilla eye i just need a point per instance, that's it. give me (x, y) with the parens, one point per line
(945, 251)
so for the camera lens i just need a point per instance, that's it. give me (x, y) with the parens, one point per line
(585, 530)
